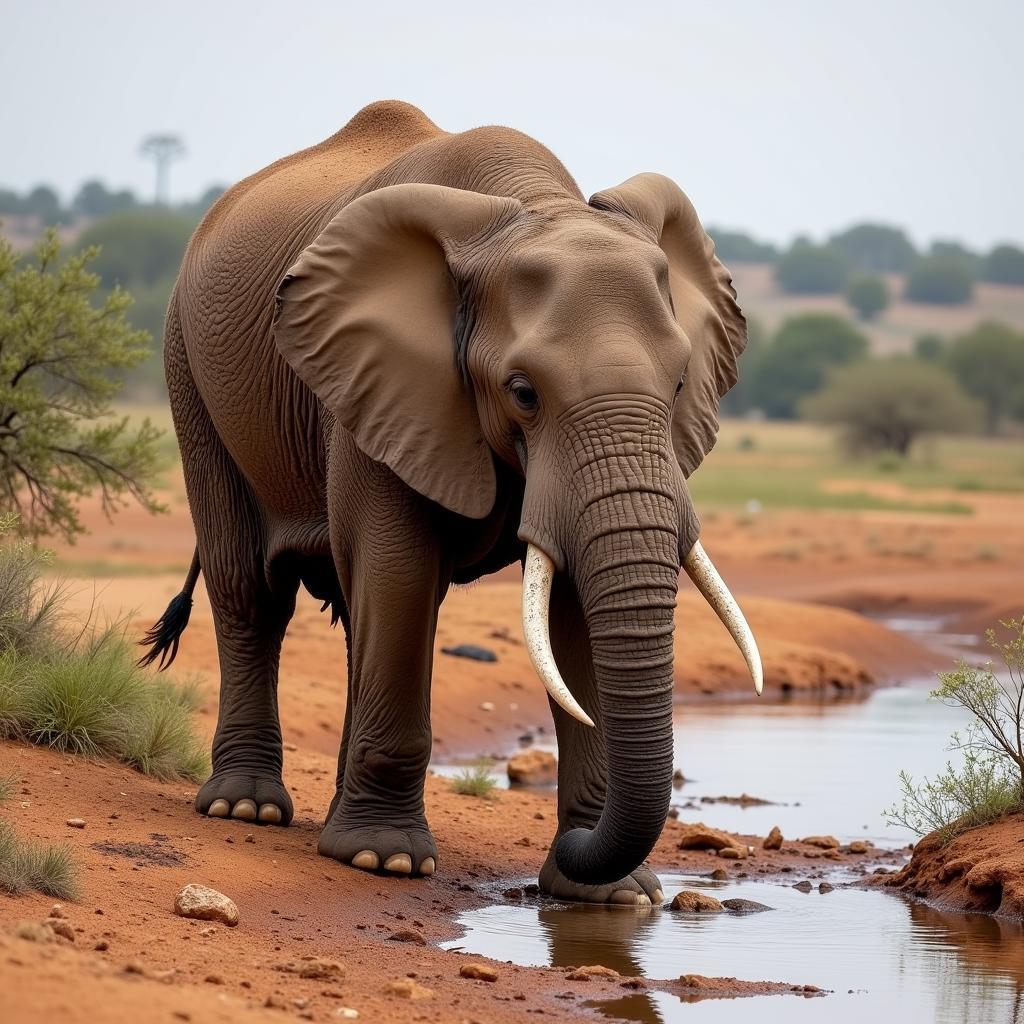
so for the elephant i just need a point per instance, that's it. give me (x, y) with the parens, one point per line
(403, 359)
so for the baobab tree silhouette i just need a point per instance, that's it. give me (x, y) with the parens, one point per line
(162, 150)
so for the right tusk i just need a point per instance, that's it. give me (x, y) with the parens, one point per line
(538, 573)
(705, 576)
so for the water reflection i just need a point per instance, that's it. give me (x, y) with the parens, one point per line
(878, 954)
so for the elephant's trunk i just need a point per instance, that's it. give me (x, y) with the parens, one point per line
(627, 577)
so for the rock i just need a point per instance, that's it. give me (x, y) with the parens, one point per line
(34, 931)
(825, 887)
(822, 842)
(678, 778)
(406, 988)
(695, 903)
(471, 651)
(738, 906)
(75, 823)
(478, 972)
(204, 904)
(720, 875)
(513, 893)
(733, 852)
(408, 935)
(57, 910)
(214, 979)
(773, 841)
(803, 886)
(61, 928)
(858, 846)
(346, 1013)
(313, 968)
(101, 946)
(702, 837)
(594, 971)
(532, 768)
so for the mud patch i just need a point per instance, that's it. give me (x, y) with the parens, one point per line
(155, 853)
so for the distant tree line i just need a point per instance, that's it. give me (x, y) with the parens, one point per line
(818, 366)
(853, 262)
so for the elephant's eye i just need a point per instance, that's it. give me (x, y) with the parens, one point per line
(523, 395)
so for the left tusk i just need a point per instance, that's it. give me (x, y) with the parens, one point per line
(705, 576)
(538, 573)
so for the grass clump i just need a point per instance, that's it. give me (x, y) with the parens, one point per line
(476, 780)
(990, 782)
(82, 692)
(27, 866)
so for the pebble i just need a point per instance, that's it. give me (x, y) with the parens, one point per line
(822, 842)
(858, 846)
(75, 823)
(738, 906)
(404, 988)
(62, 928)
(732, 853)
(803, 886)
(478, 972)
(472, 651)
(594, 971)
(773, 841)
(346, 1013)
(532, 768)
(408, 935)
(825, 887)
(695, 903)
(720, 875)
(487, 705)
(205, 904)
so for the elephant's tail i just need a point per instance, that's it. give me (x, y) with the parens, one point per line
(163, 637)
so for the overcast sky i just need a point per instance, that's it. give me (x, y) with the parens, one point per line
(778, 116)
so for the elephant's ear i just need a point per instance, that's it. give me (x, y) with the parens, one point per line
(366, 318)
(704, 301)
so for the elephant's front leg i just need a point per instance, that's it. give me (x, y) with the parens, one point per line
(581, 762)
(394, 578)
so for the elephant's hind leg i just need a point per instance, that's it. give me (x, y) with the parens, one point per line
(250, 616)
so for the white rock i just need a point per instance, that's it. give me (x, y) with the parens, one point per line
(205, 904)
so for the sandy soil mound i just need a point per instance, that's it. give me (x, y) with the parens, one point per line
(981, 871)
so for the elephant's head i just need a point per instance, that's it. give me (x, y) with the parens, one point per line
(587, 346)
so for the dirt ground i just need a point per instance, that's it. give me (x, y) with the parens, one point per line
(369, 937)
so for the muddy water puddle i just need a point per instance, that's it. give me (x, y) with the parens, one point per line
(884, 959)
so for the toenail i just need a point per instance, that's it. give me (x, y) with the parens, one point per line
(270, 814)
(643, 900)
(658, 896)
(244, 810)
(400, 864)
(428, 867)
(624, 897)
(367, 860)
(219, 809)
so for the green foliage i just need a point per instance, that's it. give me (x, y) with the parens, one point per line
(868, 296)
(81, 691)
(740, 399)
(990, 783)
(794, 364)
(942, 279)
(989, 363)
(930, 348)
(138, 247)
(1004, 265)
(94, 199)
(957, 251)
(476, 780)
(885, 405)
(808, 269)
(875, 248)
(26, 866)
(739, 247)
(59, 355)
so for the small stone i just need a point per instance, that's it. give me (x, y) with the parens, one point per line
(75, 823)
(538, 815)
(532, 768)
(594, 971)
(720, 875)
(732, 853)
(695, 903)
(62, 928)
(205, 904)
(487, 705)
(404, 988)
(773, 841)
(408, 935)
(346, 1013)
(825, 887)
(250, 838)
(513, 894)
(738, 906)
(678, 778)
(300, 1002)
(478, 972)
(472, 651)
(214, 979)
(803, 886)
(57, 910)
(858, 846)
(101, 946)
(702, 837)
(822, 842)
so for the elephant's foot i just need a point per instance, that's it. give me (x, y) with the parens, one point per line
(639, 889)
(246, 795)
(398, 848)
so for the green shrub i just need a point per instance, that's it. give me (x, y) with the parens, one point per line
(990, 782)
(1004, 265)
(876, 248)
(475, 780)
(809, 269)
(942, 279)
(868, 296)
(25, 865)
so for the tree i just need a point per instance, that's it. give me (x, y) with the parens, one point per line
(94, 199)
(163, 150)
(44, 203)
(989, 363)
(58, 439)
(138, 247)
(929, 348)
(740, 399)
(868, 296)
(886, 404)
(739, 247)
(970, 260)
(794, 364)
(1004, 265)
(808, 269)
(941, 279)
(875, 248)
